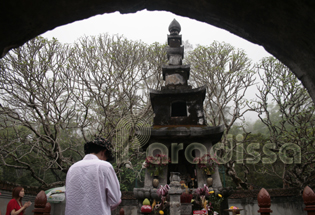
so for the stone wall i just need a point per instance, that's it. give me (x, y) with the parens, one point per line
(280, 205)
(283, 201)
(129, 203)
(130, 207)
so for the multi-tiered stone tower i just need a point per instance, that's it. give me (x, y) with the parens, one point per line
(179, 127)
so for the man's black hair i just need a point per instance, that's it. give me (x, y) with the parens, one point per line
(97, 145)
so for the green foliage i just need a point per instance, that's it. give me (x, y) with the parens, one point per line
(286, 116)
(214, 201)
(131, 174)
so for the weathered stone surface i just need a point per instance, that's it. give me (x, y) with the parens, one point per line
(175, 60)
(175, 192)
(163, 106)
(175, 79)
(190, 131)
(186, 209)
(181, 69)
(285, 28)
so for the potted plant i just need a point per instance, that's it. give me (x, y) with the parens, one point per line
(186, 196)
(200, 200)
(185, 201)
(214, 202)
(155, 165)
(162, 206)
(207, 164)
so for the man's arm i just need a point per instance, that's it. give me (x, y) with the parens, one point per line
(113, 189)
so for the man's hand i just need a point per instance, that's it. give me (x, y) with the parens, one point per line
(113, 207)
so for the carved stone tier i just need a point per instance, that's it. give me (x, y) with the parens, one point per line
(176, 75)
(174, 140)
(145, 192)
(175, 55)
(178, 107)
(176, 132)
(175, 52)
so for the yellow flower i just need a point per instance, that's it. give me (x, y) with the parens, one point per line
(211, 192)
(154, 203)
(220, 195)
(161, 212)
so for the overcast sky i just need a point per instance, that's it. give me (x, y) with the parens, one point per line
(151, 27)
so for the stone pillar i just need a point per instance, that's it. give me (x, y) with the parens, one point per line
(264, 202)
(309, 200)
(201, 176)
(41, 206)
(217, 184)
(175, 193)
(47, 209)
(122, 211)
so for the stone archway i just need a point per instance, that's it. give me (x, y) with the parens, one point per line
(285, 28)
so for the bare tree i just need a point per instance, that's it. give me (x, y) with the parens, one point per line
(292, 132)
(116, 74)
(34, 97)
(227, 74)
(55, 97)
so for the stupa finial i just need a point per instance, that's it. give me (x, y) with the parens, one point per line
(174, 27)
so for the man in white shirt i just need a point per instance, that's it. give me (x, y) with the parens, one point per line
(92, 187)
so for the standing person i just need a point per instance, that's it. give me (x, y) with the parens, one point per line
(15, 204)
(92, 187)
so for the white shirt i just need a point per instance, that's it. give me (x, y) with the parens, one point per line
(92, 187)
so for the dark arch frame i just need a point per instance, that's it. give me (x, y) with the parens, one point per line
(285, 28)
